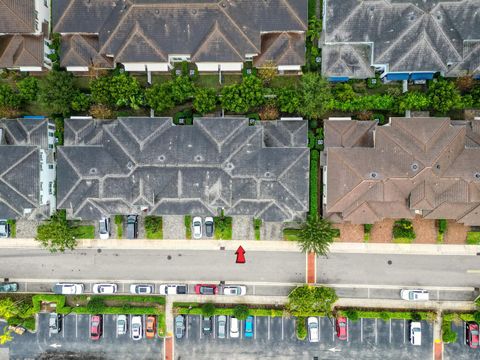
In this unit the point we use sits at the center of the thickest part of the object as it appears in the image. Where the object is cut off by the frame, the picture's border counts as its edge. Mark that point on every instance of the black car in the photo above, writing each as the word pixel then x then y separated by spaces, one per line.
pixel 132 226
pixel 209 226
pixel 207 325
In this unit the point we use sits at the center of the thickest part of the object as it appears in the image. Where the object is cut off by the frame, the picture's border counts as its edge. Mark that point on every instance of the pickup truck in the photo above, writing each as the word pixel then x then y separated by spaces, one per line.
pixel 173 289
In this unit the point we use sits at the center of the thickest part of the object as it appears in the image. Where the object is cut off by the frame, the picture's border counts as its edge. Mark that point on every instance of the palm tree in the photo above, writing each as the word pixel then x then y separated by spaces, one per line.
pixel 316 235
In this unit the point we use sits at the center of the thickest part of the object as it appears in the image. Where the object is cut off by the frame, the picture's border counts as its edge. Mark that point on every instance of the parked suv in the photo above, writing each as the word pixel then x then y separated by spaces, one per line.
pixel 104 228
pixel 132 226
pixel 209 226
pixel 68 288
pixel 4 228
pixel 414 295
pixel 222 326
pixel 416 333
pixel 55 323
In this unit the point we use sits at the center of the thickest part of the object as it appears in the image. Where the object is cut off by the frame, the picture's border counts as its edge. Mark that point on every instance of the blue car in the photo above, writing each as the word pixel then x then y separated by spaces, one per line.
pixel 249 327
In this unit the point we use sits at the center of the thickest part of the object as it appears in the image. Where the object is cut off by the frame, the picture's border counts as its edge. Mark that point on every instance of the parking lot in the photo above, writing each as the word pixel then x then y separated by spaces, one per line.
pixel 75 337
pixel 459 350
pixel 275 337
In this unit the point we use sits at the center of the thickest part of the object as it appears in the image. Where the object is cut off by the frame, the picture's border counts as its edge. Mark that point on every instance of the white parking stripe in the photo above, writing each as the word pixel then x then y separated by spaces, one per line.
pixel 361 330
pixel 368 293
pixel 123 287
pixel 376 330
pixel 333 330
pixel 404 331
pixel 390 333
pixel 319 328
pixel 348 332
pixel 254 327
pixel 26 287
pixel 241 329
pixel 200 328
pixel 464 332
pixel 76 325
pixel 282 328
pixel 116 332
pixel 214 326
pixel 130 322
pixel 63 325
pixel 253 289
pixel 103 326
pixel 268 329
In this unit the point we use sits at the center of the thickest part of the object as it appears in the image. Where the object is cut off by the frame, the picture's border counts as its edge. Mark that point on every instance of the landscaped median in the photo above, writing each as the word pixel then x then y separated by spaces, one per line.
pixel 450 336
pixel 210 309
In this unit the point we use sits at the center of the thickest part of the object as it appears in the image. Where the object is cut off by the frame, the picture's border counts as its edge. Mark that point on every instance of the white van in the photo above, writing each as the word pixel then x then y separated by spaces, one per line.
pixel 416 333
pixel 414 295
pixel 234 328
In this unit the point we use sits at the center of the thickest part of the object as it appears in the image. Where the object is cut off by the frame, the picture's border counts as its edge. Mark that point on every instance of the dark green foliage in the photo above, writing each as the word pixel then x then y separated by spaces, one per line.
pixel 118 219
pixel 241 312
pixel 288 100
pixel 28 88
pixel 182 89
pixel 257 224
pixel 384 315
pixel 475 93
pixel 442 226
pixel 367 228
pixel 119 90
pixel 380 118
pixel 301 328
pixel 352 314
pixel 54 56
pixel 476 316
pixel 305 300
pixel 188 226
pixel 159 97
pixel 314 158
pixel 316 235
pixel 448 335
pixel 316 96
pixel 153 223
pixel 344 92
pixel 444 96
pixel 186 115
pixel 55 234
pixel 364 103
pixel 373 83
pixel 413 100
pixel 57 92
pixel 208 309
pixel 96 305
pixel 248 69
pixel 416 316
pixel 205 100
pixel 240 98
pixel 59 129
pixel 81 102
pixel 223 227
pixel 403 229
pixel 8 97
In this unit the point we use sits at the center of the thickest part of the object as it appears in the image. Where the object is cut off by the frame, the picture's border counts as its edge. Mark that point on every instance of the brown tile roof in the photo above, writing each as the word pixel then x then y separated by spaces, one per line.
pixel 423 166
pixel 21 50
pixel 17 16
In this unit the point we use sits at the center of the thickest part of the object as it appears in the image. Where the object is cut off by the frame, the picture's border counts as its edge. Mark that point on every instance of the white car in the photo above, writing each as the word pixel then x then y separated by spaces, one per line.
pixel 136 326
pixel 234 327
pixel 173 289
pixel 68 288
pixel 414 295
pixel 416 333
pixel 104 228
pixel 312 326
pixel 234 290
pixel 197 227
pixel 142 289
pixel 104 288
pixel 121 325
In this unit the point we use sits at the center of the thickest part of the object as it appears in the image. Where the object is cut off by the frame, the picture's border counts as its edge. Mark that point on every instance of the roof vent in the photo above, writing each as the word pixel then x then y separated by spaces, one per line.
pixel 157 11
pixel 129 165
pixel 229 166
pixel 268 174
pixel 92 171
pixel 198 158
pixel 414 167
pixel 437 166
pixel 477 176
pixel 373 175
pixel 161 158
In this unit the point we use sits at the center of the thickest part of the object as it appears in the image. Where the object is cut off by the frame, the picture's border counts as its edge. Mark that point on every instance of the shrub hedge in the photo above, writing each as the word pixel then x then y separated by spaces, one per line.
pixel 314 157
pixel 301 328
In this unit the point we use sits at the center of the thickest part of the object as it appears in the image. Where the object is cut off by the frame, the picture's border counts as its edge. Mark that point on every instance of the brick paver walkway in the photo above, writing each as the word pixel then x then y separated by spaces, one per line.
pixel 456 233
pixel 168 348
pixel 311 268
pixel 382 231
pixel 425 231
pixel 350 232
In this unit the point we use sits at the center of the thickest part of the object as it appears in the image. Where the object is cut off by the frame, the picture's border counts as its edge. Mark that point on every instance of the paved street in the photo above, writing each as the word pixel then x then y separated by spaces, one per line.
pixel 275 338
pixel 75 337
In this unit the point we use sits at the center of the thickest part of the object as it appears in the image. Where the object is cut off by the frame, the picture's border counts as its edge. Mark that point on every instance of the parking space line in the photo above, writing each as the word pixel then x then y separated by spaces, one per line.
pixel 333 331
pixel 123 287
pixel 376 330
pixel 282 328
pixel 116 332
pixel 64 318
pixel 200 328
pixel 255 327
pixel 253 289
pixel 268 329
pixel 89 324
pixel 464 333
pixel 241 329
pixel 26 287
pixel 361 330
pixel 214 326
pixel 348 332
pixel 390 333
pixel 103 326
pixel 130 322
pixel 319 328
pixel 76 325
pixel 404 331
pixel 186 326
pixel 368 293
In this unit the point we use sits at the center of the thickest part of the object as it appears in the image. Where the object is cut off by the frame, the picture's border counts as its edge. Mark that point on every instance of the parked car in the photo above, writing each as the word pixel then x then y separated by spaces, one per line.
pixel 197 227
pixel 222 326
pixel 150 327
pixel 104 228
pixel 206 289
pixel 136 327
pixel 4 228
pixel 249 326
pixel 207 325
pixel 122 324
pixel 132 226
pixel 95 327
pixel 8 287
pixel 416 333
pixel 179 326
pixel 173 289
pixel 142 289
pixel 342 328
pixel 312 327
pixel 104 288
pixel 234 327
pixel 471 329
pixel 414 295
pixel 68 288
pixel 55 323
pixel 209 226
pixel 234 290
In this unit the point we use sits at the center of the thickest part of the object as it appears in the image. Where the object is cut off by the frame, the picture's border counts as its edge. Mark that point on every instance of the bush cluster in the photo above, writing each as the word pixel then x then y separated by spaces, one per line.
pixel 403 229
pixel 314 164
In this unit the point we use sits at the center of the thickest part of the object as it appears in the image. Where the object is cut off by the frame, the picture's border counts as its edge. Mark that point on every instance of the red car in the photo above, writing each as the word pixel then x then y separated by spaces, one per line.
pixel 206 289
pixel 95 327
pixel 472 334
pixel 150 327
pixel 342 328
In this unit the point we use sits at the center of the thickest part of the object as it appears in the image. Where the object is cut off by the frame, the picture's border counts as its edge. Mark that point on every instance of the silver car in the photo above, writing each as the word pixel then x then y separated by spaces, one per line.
pixel 197 227
pixel 179 326
pixel 137 327
pixel 222 326
pixel 4 228
pixel 121 325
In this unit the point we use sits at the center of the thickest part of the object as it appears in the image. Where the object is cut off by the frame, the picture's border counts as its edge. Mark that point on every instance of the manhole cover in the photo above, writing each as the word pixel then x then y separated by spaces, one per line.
pixel 99 251
pixel 389 262
pixel 169 257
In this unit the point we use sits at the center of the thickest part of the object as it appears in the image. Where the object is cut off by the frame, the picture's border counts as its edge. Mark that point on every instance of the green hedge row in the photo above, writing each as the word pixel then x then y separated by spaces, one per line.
pixel 314 158
pixel 355 314
pixel 195 309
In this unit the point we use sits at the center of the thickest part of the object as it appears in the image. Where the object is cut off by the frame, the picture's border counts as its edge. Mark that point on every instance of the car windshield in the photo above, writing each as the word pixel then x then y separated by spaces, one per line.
pixel 206 290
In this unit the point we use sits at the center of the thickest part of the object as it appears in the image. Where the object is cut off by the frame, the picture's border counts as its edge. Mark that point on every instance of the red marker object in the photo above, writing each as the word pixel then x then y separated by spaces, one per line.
pixel 240 255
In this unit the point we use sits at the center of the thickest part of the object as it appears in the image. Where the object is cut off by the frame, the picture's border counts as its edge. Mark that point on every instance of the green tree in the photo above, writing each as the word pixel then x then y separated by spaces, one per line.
pixel 475 93
pixel 307 300
pixel 159 97
pixel 241 312
pixel 352 314
pixel 57 92
pixel 55 234
pixel 120 90
pixel 413 100
pixel 182 89
pixel 288 100
pixel 316 235
pixel 28 88
pixel 344 92
pixel 444 96
pixel 8 97
pixel 96 305
pixel 208 309
pixel 6 336
pixel 205 100
pixel 316 96
pixel 242 97
pixel 81 102
pixel 314 28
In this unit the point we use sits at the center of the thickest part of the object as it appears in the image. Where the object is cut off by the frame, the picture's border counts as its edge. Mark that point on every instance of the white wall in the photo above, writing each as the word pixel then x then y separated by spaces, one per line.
pixel 30 68
pixel 146 66
pixel 43 13
pixel 214 66
pixel 77 68
pixel 289 68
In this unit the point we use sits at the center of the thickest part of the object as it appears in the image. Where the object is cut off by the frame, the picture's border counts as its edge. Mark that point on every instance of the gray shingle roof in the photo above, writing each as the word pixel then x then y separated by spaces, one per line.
pixel 208 30
pixel 407 35
pixel 116 167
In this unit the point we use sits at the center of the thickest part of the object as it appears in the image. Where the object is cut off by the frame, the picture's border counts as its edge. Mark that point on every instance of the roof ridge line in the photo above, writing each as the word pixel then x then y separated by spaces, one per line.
pixel 294 13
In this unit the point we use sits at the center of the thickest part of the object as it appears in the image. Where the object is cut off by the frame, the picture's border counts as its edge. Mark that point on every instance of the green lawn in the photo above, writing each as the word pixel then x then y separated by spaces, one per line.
pixel 188 227
pixel 84 231
pixel 473 238
pixel 119 223
pixel 223 227
pixel 154 227
pixel 257 224
pixel 291 234
pixel 13 228
pixel 402 240
pixel 285 81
